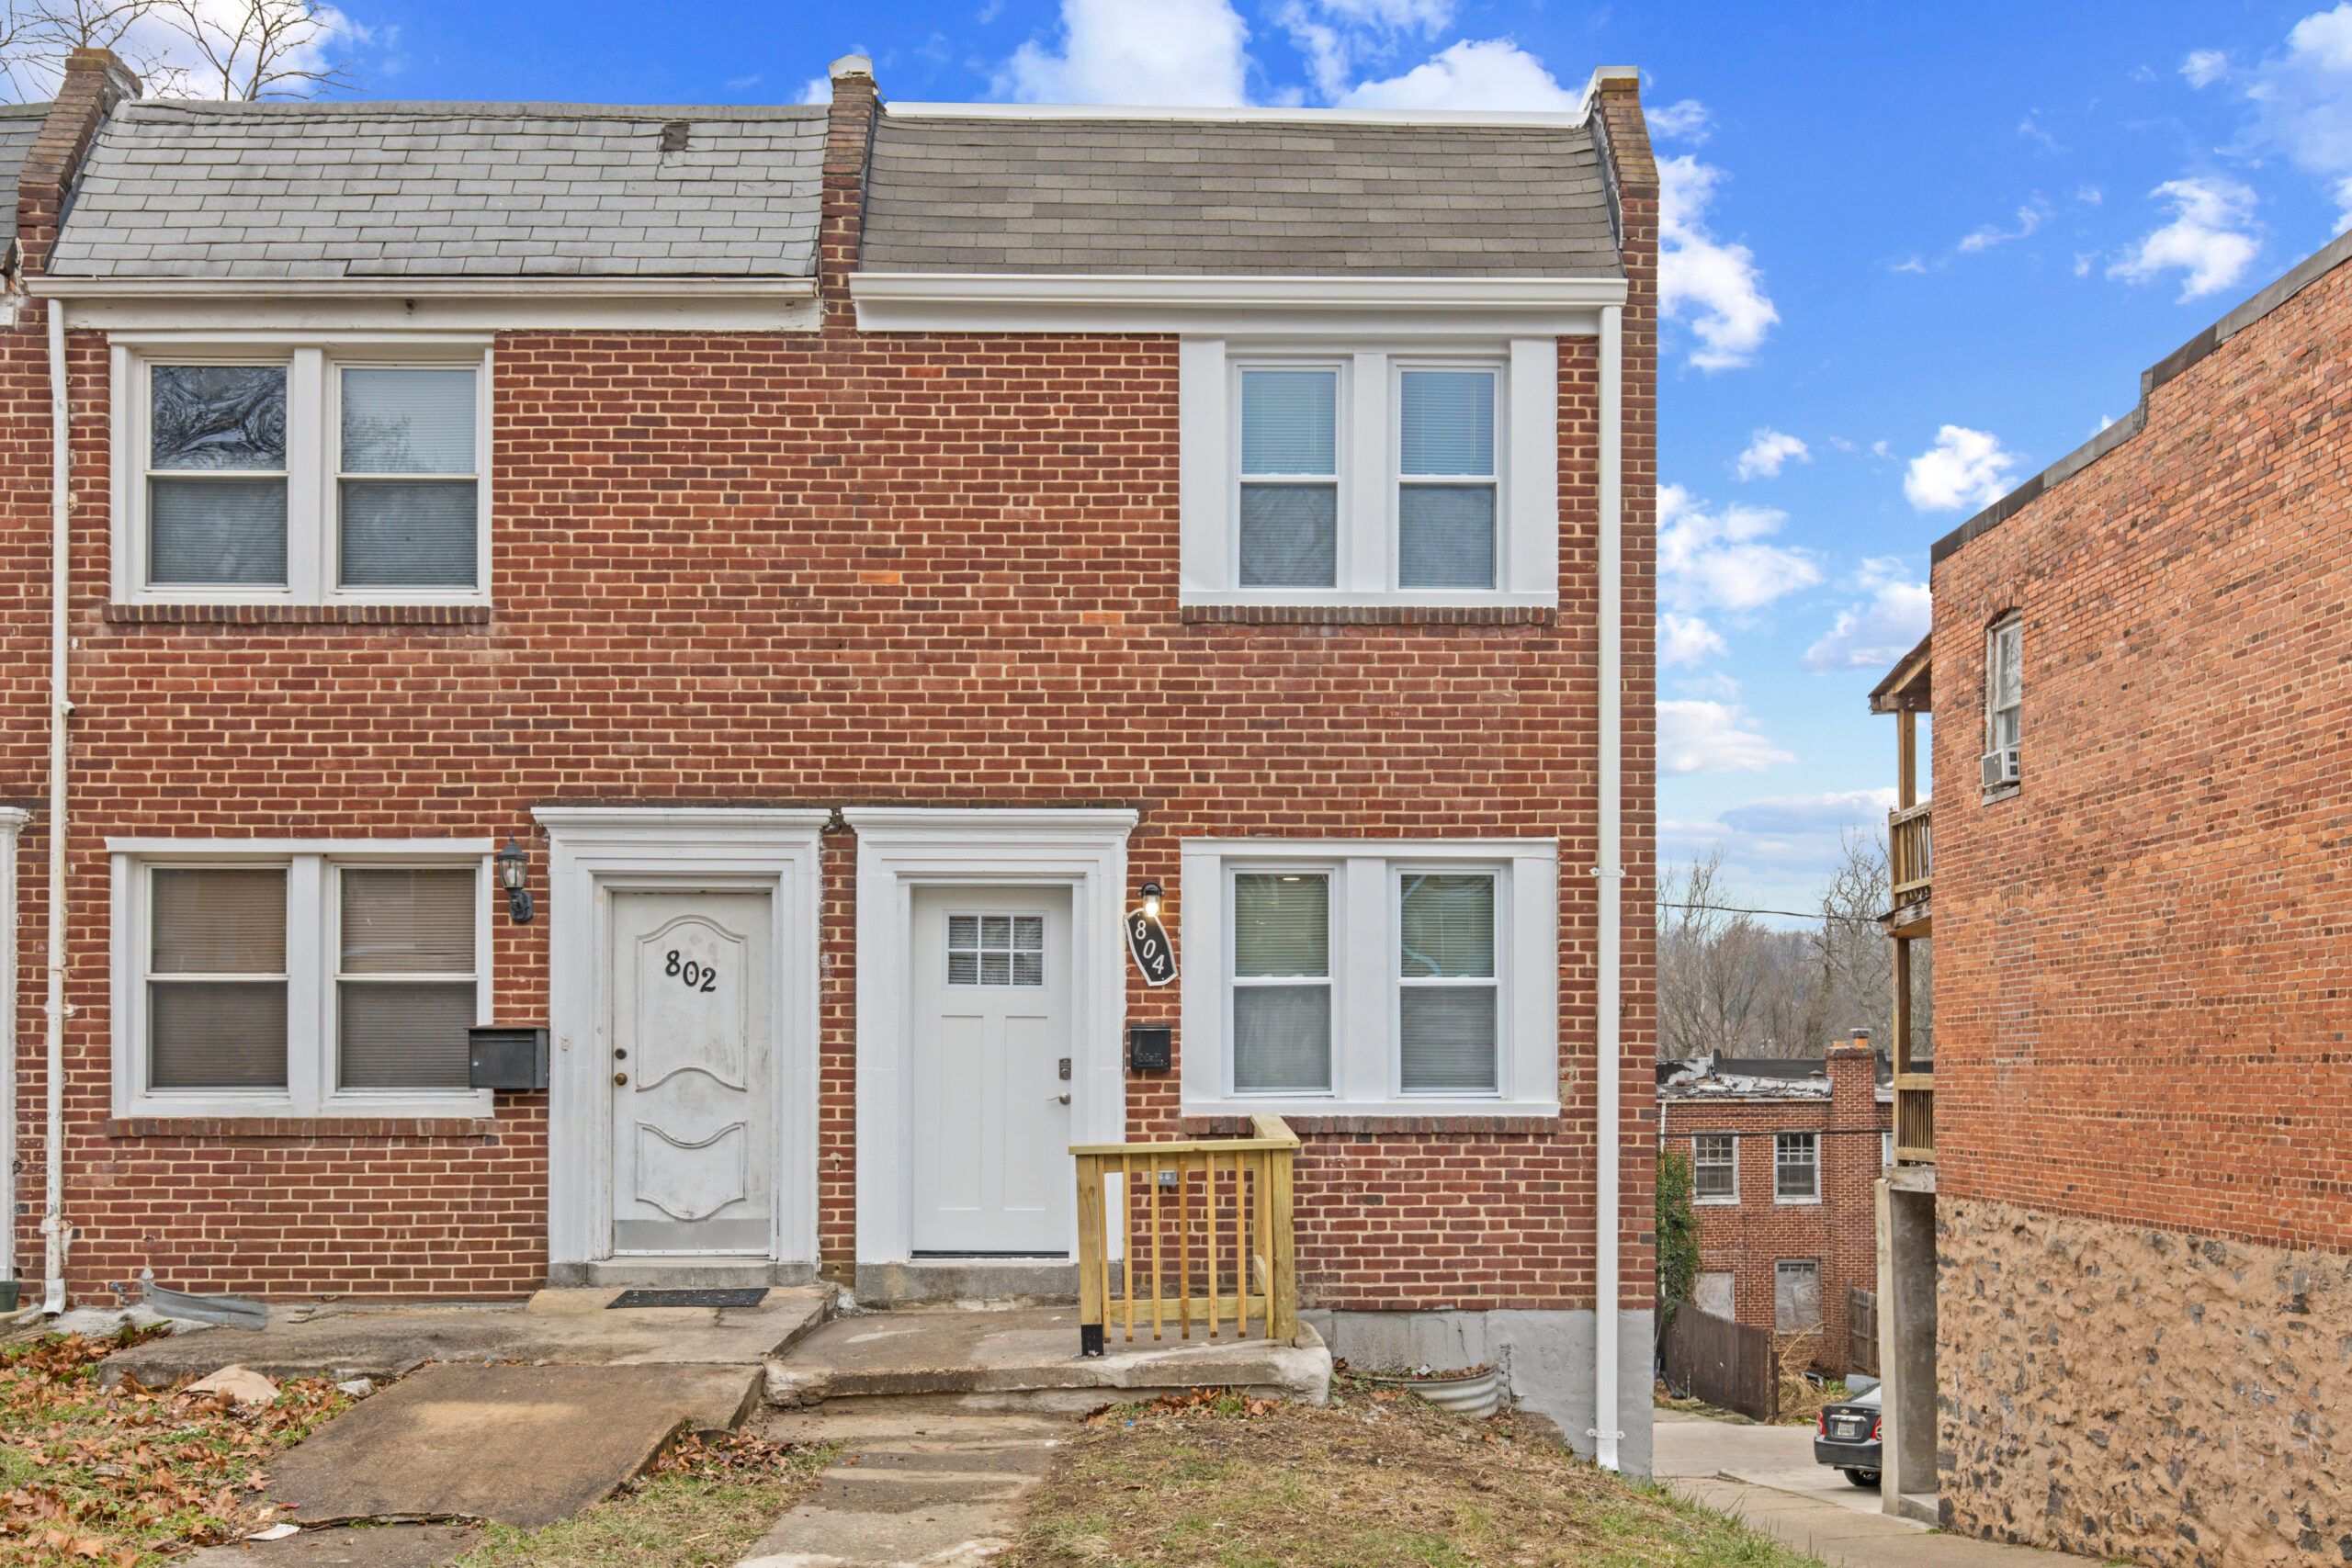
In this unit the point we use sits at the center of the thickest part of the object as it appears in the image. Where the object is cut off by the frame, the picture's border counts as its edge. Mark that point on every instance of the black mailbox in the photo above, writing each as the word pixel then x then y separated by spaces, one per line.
pixel 1151 1048
pixel 505 1057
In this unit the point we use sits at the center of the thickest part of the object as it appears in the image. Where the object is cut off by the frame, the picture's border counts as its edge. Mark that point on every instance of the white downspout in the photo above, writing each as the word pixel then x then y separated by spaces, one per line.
pixel 52 1224
pixel 1610 873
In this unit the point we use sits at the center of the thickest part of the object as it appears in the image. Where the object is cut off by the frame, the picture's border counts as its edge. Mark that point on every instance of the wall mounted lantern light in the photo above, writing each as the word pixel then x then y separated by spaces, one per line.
pixel 514 864
pixel 1152 899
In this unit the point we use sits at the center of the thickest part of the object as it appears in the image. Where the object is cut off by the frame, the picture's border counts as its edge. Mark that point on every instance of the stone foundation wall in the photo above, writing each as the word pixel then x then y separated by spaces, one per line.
pixel 2142 1394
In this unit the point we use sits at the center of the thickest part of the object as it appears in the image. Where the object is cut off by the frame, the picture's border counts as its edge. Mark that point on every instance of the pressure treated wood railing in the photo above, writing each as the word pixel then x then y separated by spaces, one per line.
pixel 1174 1232
pixel 1910 849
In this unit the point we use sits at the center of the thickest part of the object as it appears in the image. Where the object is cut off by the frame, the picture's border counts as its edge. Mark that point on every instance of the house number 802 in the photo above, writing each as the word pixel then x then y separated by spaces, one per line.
pixel 696 976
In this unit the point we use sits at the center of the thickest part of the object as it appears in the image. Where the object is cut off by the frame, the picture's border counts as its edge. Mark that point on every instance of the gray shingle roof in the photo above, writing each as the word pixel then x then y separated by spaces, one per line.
pixel 950 194
pixel 438 190
pixel 19 124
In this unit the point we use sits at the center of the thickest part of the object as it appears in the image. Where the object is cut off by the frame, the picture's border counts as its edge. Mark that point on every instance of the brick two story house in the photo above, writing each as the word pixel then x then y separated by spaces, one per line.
pixel 831 559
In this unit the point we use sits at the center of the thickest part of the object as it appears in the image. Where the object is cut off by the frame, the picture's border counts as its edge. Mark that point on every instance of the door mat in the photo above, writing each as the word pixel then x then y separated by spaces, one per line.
pixel 743 1296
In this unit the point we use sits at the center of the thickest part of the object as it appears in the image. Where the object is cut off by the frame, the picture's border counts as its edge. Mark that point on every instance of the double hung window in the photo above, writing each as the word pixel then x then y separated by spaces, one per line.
pixel 2004 702
pixel 1446 477
pixel 1289 507
pixel 287 985
pixel 1399 978
pixel 300 476
pixel 1796 1168
pixel 1715 1167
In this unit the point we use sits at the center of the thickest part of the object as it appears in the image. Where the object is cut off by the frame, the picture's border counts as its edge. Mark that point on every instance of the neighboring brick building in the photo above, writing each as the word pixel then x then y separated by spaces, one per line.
pixel 848 551
pixel 1785 1154
pixel 2138 1171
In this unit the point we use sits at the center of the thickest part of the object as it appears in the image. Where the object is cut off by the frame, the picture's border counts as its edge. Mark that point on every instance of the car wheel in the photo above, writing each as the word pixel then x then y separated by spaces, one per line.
pixel 1862 1477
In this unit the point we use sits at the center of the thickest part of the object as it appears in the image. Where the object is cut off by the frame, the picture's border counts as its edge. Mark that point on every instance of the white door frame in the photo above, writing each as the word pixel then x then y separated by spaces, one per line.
pixel 595 849
pixel 899 848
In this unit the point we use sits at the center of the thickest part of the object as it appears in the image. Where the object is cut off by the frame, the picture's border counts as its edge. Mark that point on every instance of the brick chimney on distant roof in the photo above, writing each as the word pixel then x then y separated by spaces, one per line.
pixel 849 142
pixel 95 83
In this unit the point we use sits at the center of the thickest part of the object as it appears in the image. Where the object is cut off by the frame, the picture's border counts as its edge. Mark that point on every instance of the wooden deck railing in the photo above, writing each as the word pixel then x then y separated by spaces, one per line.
pixel 1910 849
pixel 1172 1232
pixel 1915 1118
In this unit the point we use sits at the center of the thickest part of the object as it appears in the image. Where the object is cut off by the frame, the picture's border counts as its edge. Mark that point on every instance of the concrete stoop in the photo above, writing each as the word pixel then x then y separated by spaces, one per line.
pixel 1027 1360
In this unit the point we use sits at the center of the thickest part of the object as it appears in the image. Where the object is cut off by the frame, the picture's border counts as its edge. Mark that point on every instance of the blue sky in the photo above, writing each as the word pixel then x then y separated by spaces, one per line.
pixel 1916 253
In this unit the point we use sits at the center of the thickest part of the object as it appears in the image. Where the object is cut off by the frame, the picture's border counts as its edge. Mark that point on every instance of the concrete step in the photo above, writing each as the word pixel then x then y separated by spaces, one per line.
pixel 1026 1360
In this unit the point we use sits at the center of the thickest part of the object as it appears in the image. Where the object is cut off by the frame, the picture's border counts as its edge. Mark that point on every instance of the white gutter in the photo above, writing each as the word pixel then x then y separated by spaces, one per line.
pixel 1611 874
pixel 53 1222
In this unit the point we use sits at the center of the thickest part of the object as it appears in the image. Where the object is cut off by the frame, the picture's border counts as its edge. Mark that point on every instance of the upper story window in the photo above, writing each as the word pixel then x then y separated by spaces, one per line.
pixel 1715 1167
pixel 1399 974
pixel 300 476
pixel 1796 1168
pixel 1370 478
pixel 2004 702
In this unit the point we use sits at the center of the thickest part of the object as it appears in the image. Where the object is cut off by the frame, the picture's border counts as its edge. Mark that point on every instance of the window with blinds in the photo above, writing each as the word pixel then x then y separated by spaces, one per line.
pixel 404 978
pixel 216 978
pixel 1448 999
pixel 1281 983
pixel 407 490
pixel 1445 479
pixel 1290 477
pixel 996 950
pixel 216 475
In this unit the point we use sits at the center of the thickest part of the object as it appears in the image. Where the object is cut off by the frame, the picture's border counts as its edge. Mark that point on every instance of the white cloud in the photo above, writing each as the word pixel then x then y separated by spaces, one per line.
pixel 1717 560
pixel 1714 283
pixel 1712 737
pixel 2029 218
pixel 816 90
pixel 2204 67
pixel 1828 812
pixel 1768 450
pixel 1686 121
pixel 1687 639
pixel 1779 850
pixel 2207 239
pixel 2301 100
pixel 1492 75
pixel 1874 634
pixel 1114 52
pixel 1965 468
pixel 1338 37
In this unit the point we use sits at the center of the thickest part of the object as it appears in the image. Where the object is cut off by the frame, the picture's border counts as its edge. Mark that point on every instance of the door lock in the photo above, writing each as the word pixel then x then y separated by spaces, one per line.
pixel 620 1077
pixel 1065 1072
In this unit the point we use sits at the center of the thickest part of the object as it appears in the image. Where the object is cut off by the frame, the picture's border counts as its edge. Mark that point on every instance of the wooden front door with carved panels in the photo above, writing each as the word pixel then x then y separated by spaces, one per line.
pixel 694 1103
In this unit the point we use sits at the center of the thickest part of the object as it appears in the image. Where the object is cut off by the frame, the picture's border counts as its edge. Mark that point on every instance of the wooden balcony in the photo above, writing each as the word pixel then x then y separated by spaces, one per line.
pixel 1910 851
pixel 1174 1232
pixel 1915 1117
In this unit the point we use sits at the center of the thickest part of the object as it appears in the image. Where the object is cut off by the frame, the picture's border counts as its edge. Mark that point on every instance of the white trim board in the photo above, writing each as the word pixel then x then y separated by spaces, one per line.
pixel 491 304
pixel 1292 306
pixel 899 848
pixel 592 850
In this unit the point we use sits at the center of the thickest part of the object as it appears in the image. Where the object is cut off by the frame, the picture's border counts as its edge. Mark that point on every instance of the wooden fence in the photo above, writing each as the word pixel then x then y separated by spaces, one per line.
pixel 1726 1363
pixel 1172 1232
pixel 1861 1331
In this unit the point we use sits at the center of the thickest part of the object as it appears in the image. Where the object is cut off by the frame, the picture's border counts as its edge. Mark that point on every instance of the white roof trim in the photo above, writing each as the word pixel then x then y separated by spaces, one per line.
pixel 489 304
pixel 506 286
pixel 1061 302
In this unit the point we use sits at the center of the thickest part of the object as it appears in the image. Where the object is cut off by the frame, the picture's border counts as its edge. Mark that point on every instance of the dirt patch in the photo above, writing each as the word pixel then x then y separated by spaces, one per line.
pixel 1375 1480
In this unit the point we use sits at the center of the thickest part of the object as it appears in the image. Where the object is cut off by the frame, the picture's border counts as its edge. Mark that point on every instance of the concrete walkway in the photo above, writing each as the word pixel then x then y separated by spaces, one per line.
pixel 1766 1477
pixel 926 1489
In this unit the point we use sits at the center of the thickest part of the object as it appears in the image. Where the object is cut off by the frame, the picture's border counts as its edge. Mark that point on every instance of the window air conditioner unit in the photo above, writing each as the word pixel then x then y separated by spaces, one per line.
pixel 2001 767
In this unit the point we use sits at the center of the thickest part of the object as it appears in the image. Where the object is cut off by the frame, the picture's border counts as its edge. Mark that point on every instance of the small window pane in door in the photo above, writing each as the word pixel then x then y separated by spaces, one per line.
pixel 996 950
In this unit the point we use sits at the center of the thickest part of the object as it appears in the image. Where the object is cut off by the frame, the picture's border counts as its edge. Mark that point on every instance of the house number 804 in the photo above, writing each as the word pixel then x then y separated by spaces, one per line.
pixel 696 976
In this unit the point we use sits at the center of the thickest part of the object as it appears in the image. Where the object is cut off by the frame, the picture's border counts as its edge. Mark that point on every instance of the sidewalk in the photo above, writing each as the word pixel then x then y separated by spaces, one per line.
pixel 1765 1478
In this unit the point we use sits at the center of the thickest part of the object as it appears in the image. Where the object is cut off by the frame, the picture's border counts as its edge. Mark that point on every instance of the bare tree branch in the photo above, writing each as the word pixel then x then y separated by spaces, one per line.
pixel 262 48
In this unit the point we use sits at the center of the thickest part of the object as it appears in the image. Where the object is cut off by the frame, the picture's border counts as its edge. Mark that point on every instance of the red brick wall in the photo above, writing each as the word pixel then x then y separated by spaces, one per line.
pixel 826 570
pixel 2140 967
pixel 1746 1239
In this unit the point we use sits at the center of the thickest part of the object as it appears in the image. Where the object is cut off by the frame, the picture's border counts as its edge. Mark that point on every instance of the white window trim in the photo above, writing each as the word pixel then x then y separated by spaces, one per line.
pixel 1818 1152
pixel 310 865
pixel 313 461
pixel 1720 1201
pixel 2012 623
pixel 1527 544
pixel 1365 1061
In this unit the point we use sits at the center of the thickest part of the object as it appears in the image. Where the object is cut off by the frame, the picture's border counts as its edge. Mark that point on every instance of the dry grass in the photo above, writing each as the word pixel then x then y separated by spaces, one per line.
pixel 703 1504
pixel 128 1476
pixel 1378 1481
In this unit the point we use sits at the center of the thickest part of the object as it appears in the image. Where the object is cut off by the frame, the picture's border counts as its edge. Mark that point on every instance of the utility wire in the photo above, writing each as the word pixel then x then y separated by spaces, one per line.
pixel 1792 914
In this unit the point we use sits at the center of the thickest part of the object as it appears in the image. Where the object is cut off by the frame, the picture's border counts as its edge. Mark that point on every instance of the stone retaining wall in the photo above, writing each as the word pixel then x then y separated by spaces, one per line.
pixel 2142 1394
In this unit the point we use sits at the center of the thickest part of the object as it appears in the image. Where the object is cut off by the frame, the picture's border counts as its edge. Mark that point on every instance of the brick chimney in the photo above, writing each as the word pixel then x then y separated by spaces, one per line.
pixel 1853 1083
pixel 95 83
pixel 849 140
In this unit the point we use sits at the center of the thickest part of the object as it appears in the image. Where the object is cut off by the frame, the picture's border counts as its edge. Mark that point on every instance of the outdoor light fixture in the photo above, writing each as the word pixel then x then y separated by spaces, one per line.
pixel 1152 899
pixel 514 864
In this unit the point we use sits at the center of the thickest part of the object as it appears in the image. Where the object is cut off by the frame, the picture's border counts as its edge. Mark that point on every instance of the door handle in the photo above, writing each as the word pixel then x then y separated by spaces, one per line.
pixel 620 1077
pixel 1058 1100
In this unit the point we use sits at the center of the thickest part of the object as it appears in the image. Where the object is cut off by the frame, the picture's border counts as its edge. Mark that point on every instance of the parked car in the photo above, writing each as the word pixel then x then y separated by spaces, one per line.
pixel 1848 1437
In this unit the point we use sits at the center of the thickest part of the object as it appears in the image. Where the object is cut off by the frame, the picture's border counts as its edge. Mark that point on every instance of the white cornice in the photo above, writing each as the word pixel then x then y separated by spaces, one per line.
pixel 625 304
pixel 1062 302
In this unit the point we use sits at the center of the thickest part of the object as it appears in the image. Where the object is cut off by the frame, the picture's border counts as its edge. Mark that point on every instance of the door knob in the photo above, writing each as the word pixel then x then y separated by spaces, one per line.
pixel 620 1077
pixel 1058 1100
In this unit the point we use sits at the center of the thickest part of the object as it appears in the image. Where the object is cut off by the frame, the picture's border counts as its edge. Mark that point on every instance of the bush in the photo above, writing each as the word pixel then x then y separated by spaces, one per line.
pixel 1677 1234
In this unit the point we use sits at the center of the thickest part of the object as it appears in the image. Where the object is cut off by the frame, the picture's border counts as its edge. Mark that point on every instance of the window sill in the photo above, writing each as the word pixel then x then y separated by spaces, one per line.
pixel 1371 615
pixel 1234 1122
pixel 230 1129
pixel 1798 1202
pixel 164 613
pixel 1730 1202
pixel 1999 792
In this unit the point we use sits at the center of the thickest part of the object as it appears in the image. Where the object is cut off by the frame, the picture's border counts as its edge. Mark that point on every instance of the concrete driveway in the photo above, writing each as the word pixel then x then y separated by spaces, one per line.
pixel 1765 1478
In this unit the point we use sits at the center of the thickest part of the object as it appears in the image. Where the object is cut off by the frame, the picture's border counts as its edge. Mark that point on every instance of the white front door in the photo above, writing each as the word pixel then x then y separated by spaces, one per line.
pixel 693 1105
pixel 992 1072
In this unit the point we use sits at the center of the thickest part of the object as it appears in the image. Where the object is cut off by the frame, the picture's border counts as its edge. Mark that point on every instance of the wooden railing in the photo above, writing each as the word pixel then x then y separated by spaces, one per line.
pixel 1172 1232
pixel 1910 849
pixel 1915 1118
